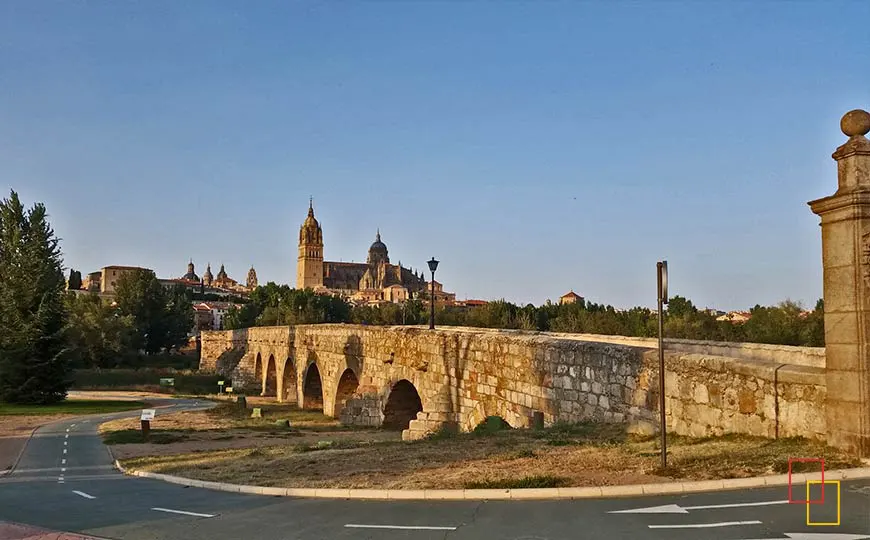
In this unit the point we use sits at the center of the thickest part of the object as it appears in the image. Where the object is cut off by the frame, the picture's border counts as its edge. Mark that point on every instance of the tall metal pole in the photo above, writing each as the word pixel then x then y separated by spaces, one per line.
pixel 663 427
pixel 432 304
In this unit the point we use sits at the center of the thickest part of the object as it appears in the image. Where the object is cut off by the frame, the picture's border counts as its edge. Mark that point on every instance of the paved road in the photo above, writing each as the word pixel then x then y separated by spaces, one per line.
pixel 85 494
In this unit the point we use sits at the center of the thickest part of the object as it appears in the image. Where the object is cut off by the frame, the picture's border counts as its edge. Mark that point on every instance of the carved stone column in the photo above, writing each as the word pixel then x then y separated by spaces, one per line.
pixel 845 222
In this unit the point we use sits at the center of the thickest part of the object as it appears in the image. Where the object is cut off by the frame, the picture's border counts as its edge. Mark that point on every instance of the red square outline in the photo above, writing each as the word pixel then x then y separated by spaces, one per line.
pixel 806 460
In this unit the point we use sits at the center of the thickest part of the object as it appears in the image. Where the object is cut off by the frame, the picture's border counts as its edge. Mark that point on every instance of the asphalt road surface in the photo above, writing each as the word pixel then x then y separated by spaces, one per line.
pixel 65 482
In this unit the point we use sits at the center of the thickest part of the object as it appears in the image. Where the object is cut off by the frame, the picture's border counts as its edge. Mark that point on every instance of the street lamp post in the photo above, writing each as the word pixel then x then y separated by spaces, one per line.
pixel 662 278
pixel 433 265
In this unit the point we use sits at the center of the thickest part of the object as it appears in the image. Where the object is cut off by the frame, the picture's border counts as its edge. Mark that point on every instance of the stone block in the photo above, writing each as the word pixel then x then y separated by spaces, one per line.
pixel 840 286
pixel 845 385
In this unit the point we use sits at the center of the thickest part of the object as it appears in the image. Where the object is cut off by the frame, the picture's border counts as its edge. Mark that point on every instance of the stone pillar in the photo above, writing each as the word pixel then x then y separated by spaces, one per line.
pixel 845 222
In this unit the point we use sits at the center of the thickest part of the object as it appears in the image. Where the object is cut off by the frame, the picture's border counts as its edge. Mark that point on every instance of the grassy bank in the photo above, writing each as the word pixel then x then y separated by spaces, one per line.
pixel 563 455
pixel 70 406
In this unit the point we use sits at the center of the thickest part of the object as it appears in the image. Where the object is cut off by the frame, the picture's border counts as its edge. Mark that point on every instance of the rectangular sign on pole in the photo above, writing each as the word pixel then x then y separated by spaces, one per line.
pixel 148 414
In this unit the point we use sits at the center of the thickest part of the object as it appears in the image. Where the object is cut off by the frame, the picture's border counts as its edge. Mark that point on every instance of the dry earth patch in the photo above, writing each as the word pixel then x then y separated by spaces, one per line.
pixel 585 454
pixel 230 427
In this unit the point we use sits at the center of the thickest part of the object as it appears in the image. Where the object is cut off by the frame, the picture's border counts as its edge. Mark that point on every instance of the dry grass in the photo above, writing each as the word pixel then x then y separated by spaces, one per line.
pixel 575 455
pixel 229 427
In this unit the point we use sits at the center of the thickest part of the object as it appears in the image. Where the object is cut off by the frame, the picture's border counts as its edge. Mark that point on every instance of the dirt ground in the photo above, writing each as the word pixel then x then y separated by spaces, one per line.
pixel 228 428
pixel 582 455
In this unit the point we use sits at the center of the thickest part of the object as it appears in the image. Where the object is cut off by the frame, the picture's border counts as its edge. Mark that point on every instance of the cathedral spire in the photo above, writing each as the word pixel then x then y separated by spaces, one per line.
pixel 311 206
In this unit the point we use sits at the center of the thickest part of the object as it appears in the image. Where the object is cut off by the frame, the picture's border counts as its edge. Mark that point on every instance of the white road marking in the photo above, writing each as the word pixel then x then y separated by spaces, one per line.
pixel 64 450
pixel 83 494
pixel 72 425
pixel 677 509
pixel 183 512
pixel 65 443
pixel 400 527
pixel 705 525
pixel 67 436
pixel 63 462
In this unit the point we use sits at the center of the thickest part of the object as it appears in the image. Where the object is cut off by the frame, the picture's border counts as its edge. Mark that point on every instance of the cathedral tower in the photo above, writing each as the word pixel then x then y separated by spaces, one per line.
pixel 309 265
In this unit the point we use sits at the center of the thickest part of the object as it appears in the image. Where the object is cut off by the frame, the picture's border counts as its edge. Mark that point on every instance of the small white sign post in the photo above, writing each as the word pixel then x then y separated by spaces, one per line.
pixel 145 418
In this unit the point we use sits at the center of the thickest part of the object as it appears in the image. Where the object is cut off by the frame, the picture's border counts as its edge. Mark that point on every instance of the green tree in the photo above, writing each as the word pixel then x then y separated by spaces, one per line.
pixel 75 280
pixel 813 330
pixel 34 353
pixel 161 318
pixel 100 336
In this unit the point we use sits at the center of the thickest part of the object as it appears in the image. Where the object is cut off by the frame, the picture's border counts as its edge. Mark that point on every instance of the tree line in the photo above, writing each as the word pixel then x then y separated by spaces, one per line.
pixel 785 324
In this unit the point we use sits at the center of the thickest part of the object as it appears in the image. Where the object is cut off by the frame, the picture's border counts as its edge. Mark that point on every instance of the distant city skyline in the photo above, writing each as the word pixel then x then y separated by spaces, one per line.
pixel 533 148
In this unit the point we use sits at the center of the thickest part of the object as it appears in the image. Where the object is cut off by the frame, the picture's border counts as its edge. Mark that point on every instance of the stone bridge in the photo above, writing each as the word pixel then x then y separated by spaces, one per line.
pixel 421 380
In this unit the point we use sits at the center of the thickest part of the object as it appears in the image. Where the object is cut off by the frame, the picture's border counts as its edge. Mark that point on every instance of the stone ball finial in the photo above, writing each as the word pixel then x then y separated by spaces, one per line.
pixel 855 123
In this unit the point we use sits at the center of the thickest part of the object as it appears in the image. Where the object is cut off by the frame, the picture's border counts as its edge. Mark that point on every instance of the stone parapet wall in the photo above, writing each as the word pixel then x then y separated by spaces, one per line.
pixel 713 395
pixel 780 354
pixel 463 375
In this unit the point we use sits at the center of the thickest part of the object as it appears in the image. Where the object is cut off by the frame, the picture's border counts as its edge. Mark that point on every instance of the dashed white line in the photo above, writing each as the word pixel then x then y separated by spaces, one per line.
pixel 705 525
pixel 63 462
pixel 399 527
pixel 64 450
pixel 67 436
pixel 83 494
pixel 196 514
pixel 63 469
pixel 65 443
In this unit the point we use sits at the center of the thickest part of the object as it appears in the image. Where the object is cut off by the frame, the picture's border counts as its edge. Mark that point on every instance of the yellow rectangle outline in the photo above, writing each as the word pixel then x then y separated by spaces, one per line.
pixel 811 482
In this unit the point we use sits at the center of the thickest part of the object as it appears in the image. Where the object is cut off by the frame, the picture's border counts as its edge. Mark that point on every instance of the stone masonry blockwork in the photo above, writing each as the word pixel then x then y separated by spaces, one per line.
pixel 463 375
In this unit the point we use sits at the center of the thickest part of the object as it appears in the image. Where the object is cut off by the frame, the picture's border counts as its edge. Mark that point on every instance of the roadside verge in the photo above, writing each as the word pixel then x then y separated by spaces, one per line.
pixel 668 488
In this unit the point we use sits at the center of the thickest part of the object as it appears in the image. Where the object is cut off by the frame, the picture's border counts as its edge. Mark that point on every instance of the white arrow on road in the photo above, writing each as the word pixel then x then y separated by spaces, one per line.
pixel 677 509
pixel 820 536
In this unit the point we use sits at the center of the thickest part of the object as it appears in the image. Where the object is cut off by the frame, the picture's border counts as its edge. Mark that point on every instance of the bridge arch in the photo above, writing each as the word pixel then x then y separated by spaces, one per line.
pixel 270 382
pixel 312 388
pixel 288 389
pixel 347 385
pixel 402 405
pixel 489 407
pixel 258 371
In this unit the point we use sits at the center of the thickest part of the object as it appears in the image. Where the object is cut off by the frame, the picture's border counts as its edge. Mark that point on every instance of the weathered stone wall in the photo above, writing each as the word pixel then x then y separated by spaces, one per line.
pixel 712 395
pixel 463 375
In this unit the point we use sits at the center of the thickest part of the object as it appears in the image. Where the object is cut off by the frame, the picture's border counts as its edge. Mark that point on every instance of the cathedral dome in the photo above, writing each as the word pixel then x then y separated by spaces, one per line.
pixel 208 277
pixel 191 274
pixel 378 251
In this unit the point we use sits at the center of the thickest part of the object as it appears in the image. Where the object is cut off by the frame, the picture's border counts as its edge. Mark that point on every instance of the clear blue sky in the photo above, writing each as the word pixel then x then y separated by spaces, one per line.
pixel 532 147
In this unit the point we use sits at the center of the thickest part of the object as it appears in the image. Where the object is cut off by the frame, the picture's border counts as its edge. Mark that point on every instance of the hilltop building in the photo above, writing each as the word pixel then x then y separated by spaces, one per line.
pixel 569 298
pixel 375 281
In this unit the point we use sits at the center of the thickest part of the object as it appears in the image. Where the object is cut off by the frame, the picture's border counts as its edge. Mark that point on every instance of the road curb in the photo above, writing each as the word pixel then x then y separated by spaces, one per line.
pixel 594 492
pixel 20 453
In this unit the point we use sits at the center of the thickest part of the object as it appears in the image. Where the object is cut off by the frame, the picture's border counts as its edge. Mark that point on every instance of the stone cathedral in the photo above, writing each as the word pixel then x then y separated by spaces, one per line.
pixel 374 281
